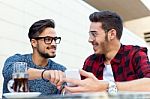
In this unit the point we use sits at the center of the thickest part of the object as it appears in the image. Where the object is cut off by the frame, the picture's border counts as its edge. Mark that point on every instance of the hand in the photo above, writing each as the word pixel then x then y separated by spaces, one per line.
pixel 55 77
pixel 89 84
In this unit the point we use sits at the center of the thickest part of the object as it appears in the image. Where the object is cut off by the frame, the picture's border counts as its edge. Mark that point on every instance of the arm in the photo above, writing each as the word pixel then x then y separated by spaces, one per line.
pixel 142 84
pixel 8 68
pixel 34 73
pixel 89 84
pixel 54 76
pixel 141 65
pixel 92 84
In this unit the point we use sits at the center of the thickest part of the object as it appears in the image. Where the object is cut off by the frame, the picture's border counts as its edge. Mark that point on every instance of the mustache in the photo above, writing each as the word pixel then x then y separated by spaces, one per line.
pixel 51 47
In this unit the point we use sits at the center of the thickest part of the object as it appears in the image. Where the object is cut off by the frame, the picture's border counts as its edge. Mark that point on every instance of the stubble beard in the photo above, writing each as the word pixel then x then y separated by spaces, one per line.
pixel 103 46
pixel 46 55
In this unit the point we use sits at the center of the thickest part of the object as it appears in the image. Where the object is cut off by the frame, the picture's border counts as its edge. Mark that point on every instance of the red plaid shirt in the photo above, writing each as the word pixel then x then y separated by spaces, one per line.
pixel 131 62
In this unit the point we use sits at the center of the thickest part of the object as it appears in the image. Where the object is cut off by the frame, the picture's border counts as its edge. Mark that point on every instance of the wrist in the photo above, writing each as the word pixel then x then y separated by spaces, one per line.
pixel 103 85
pixel 43 75
pixel 106 85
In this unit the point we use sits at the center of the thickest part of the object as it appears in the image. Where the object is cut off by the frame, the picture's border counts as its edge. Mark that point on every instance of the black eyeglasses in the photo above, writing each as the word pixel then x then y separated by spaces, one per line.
pixel 48 39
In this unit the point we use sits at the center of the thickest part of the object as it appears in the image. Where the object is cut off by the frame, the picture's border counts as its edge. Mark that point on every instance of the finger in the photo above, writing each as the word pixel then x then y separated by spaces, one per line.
pixel 52 79
pixel 61 76
pixel 58 87
pixel 56 78
pixel 72 81
pixel 87 74
pixel 74 89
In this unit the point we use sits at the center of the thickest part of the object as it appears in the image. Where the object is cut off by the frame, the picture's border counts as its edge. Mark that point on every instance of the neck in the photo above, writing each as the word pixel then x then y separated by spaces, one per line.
pixel 38 60
pixel 111 53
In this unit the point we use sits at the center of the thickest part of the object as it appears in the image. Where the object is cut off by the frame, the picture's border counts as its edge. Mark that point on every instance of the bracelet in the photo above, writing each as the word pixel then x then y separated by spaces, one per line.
pixel 42 75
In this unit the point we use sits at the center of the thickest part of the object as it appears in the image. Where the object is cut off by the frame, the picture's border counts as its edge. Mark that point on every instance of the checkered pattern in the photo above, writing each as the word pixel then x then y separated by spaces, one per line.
pixel 131 62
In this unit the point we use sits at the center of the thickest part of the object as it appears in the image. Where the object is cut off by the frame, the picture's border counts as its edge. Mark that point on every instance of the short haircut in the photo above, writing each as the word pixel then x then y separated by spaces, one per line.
pixel 37 28
pixel 110 20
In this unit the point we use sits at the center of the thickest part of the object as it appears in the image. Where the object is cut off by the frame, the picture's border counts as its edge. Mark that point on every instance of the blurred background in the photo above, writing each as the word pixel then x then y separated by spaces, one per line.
pixel 72 24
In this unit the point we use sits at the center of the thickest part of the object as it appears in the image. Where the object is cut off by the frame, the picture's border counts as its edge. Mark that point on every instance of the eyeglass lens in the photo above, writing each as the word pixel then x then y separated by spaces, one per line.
pixel 49 40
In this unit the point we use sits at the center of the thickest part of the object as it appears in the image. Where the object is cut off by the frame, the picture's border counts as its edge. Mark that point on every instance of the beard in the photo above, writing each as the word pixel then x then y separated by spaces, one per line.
pixel 102 46
pixel 46 55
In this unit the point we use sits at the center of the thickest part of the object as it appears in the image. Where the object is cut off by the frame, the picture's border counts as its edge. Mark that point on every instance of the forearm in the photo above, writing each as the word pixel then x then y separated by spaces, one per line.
pixel 34 73
pixel 142 84
pixel 54 76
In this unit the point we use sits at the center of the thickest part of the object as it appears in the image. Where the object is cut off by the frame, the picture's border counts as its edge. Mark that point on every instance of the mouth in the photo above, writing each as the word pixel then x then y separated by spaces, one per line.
pixel 52 47
pixel 94 46
pixel 52 51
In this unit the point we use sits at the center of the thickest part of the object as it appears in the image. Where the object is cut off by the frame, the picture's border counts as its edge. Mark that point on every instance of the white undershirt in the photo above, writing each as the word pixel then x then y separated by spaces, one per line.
pixel 107 73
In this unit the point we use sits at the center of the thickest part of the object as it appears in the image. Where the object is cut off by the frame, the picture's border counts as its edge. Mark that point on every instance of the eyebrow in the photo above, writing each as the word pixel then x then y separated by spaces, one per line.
pixel 92 31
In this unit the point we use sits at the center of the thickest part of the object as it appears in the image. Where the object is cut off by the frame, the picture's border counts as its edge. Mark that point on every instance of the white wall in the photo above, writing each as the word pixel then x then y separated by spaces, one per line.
pixel 72 23
pixel 130 38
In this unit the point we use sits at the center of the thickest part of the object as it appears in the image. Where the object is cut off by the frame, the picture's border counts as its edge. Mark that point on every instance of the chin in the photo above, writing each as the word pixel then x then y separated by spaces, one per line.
pixel 53 55
pixel 97 52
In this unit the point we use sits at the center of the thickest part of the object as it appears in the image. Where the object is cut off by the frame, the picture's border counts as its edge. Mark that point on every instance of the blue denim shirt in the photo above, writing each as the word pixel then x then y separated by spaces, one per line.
pixel 37 85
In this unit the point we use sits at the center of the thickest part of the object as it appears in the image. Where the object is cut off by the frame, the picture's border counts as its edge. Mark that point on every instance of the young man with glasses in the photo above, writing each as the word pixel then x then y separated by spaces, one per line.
pixel 113 66
pixel 45 75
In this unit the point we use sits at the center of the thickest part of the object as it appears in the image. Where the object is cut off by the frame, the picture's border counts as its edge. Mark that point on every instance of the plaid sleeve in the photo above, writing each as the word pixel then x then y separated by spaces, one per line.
pixel 141 63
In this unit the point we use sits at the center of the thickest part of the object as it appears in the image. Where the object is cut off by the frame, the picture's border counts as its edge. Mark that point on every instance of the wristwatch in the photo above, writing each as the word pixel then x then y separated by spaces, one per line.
pixel 112 88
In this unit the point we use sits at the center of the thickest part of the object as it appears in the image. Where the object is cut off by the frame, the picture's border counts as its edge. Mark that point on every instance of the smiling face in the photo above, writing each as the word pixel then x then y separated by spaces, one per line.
pixel 43 49
pixel 98 38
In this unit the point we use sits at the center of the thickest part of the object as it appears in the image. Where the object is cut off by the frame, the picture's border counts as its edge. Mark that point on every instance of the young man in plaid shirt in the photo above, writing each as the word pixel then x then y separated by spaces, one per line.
pixel 113 66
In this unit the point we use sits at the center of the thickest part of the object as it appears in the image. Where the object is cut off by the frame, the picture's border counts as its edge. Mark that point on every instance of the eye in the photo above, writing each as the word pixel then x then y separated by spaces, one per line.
pixel 48 38
pixel 94 34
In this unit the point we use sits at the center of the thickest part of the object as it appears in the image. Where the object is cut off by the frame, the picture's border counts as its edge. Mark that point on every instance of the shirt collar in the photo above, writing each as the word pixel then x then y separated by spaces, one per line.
pixel 117 58
pixel 119 55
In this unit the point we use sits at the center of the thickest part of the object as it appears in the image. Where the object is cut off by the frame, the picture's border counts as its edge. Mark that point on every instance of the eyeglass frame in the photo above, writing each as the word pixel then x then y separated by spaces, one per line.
pixel 94 33
pixel 49 37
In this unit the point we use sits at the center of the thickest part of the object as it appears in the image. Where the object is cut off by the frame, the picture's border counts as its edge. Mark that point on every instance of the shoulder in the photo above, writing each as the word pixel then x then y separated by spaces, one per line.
pixel 94 57
pixel 16 57
pixel 57 66
pixel 10 60
pixel 135 48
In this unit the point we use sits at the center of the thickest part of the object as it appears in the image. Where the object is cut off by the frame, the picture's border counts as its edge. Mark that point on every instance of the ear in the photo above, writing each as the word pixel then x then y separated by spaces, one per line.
pixel 33 42
pixel 111 34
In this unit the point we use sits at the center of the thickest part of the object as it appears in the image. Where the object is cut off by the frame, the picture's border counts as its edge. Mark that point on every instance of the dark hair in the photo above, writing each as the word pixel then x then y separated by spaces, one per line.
pixel 39 26
pixel 110 20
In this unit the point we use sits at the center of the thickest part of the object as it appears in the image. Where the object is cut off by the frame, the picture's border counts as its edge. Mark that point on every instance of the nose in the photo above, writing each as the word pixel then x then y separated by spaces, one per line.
pixel 91 39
